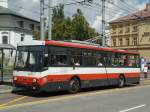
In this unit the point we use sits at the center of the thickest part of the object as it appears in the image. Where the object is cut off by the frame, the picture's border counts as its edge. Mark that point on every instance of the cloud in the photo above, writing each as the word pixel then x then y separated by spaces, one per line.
pixel 35 1
pixel 97 23
pixel 30 8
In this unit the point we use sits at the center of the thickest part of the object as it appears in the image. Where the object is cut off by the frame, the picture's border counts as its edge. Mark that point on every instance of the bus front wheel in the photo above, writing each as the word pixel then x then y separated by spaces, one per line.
pixel 74 85
pixel 121 81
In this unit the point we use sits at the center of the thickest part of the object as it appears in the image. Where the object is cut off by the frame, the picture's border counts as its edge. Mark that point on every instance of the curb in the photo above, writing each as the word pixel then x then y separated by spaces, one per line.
pixel 144 79
pixel 6 91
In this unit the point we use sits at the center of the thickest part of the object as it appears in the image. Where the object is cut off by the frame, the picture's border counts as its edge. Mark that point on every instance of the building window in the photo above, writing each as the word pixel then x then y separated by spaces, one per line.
pixel 22 37
pixel 120 42
pixel 127 41
pixel 31 26
pixel 127 30
pixel 38 28
pixel 4 33
pixel 5 39
pixel 114 42
pixel 21 24
pixel 120 31
pixel 135 29
pixel 134 41
pixel 113 30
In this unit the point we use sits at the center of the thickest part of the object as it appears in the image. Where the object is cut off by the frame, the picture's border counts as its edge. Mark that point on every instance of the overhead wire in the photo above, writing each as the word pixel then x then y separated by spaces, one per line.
pixel 25 9
pixel 129 5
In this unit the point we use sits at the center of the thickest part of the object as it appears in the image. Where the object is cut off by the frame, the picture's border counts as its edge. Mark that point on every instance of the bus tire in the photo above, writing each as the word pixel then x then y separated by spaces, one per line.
pixel 121 81
pixel 74 85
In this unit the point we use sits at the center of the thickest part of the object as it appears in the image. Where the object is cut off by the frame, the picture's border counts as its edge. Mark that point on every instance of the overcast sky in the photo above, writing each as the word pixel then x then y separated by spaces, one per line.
pixel 114 9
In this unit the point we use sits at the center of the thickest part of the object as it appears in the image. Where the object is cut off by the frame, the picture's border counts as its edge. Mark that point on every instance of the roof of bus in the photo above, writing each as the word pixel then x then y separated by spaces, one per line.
pixel 84 46
pixel 74 45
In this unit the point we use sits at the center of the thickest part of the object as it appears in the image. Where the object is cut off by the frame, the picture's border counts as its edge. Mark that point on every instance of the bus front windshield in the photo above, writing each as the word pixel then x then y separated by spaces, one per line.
pixel 29 60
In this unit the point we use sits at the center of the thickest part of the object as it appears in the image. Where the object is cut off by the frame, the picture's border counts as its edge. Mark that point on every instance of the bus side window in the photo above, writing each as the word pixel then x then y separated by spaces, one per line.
pixel 100 59
pixel 59 60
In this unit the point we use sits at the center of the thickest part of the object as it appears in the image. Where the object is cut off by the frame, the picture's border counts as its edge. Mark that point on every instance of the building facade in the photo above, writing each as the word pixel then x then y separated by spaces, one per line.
pixel 15 27
pixel 132 32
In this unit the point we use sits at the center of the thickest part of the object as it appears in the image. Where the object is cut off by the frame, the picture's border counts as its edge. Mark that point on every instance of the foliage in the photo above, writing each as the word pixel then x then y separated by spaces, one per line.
pixel 70 28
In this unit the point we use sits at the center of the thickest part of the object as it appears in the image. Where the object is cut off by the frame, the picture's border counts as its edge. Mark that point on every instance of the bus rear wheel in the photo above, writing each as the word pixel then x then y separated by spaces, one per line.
pixel 121 81
pixel 74 85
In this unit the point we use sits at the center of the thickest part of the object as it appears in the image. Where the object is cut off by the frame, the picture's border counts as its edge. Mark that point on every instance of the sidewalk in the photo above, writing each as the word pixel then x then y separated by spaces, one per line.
pixel 5 88
pixel 143 76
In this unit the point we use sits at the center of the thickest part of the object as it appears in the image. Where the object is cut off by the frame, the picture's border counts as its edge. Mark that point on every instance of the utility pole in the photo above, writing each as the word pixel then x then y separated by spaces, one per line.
pixel 103 23
pixel 42 31
pixel 50 20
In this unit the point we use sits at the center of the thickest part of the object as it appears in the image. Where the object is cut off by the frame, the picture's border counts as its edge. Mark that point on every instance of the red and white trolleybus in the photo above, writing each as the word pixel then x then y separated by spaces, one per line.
pixel 58 65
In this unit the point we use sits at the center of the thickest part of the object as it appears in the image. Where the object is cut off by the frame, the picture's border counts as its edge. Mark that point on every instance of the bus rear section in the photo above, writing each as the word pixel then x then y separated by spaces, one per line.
pixel 67 66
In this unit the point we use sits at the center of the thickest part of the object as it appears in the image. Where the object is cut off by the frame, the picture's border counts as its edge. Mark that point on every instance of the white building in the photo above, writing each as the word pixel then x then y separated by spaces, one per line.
pixel 14 27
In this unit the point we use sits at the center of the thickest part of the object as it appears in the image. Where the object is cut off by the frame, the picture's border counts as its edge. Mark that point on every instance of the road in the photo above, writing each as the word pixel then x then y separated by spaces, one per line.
pixel 128 99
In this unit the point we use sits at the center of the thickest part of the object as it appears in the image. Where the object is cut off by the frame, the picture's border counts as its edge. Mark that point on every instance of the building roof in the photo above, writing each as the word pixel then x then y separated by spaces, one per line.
pixel 6 11
pixel 139 15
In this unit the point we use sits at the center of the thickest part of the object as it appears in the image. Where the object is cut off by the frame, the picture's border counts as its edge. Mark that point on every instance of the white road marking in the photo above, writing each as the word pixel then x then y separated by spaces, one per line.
pixel 126 110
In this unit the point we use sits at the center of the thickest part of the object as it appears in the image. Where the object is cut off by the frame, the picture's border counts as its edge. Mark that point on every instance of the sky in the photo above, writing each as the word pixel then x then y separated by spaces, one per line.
pixel 92 12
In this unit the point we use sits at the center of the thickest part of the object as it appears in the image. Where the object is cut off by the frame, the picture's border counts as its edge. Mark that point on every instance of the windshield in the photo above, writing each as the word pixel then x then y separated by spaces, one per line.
pixel 29 59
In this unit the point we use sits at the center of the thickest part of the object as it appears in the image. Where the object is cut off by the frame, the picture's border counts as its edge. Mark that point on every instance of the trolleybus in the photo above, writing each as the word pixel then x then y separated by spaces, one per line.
pixel 58 65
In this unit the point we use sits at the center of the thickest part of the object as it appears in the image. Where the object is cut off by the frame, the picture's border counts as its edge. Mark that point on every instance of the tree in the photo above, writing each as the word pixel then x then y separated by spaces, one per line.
pixel 82 29
pixel 58 23
pixel 65 28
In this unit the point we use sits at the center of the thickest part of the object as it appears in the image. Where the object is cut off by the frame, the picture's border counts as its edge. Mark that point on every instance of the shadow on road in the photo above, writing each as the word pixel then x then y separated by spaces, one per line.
pixel 62 93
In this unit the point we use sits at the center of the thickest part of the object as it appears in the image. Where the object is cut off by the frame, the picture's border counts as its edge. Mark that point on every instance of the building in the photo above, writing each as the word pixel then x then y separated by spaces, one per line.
pixel 15 27
pixel 132 32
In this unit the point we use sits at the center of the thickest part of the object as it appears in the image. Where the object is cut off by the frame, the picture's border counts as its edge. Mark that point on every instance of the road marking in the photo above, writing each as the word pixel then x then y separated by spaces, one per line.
pixel 13 101
pixel 133 108
pixel 66 97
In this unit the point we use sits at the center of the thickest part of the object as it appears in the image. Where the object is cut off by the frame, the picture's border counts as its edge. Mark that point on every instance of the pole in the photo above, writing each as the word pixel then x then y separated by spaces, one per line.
pixel 42 20
pixel 103 23
pixel 2 69
pixel 50 21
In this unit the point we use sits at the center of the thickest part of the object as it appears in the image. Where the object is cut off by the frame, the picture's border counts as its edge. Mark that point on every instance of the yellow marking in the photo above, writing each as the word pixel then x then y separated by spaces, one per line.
pixel 71 96
pixel 13 101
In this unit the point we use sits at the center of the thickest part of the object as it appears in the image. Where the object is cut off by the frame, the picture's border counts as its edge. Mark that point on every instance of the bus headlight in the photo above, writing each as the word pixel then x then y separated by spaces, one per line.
pixel 34 80
pixel 15 78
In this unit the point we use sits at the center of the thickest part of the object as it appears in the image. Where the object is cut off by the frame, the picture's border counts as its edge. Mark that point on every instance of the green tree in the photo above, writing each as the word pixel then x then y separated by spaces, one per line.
pixel 82 29
pixel 58 23
pixel 65 28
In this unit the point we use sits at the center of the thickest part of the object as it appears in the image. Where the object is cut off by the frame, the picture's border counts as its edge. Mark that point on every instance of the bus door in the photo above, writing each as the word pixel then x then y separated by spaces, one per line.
pixel 101 63
pixel 111 68
pixel 116 65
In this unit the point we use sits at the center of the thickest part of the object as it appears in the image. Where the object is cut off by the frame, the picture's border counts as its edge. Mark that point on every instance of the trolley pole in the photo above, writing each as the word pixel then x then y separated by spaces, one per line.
pixel 42 32
pixel 103 23
pixel 50 20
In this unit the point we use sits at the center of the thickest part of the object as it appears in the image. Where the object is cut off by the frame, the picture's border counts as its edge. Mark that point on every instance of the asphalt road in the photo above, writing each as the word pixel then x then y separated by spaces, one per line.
pixel 129 99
